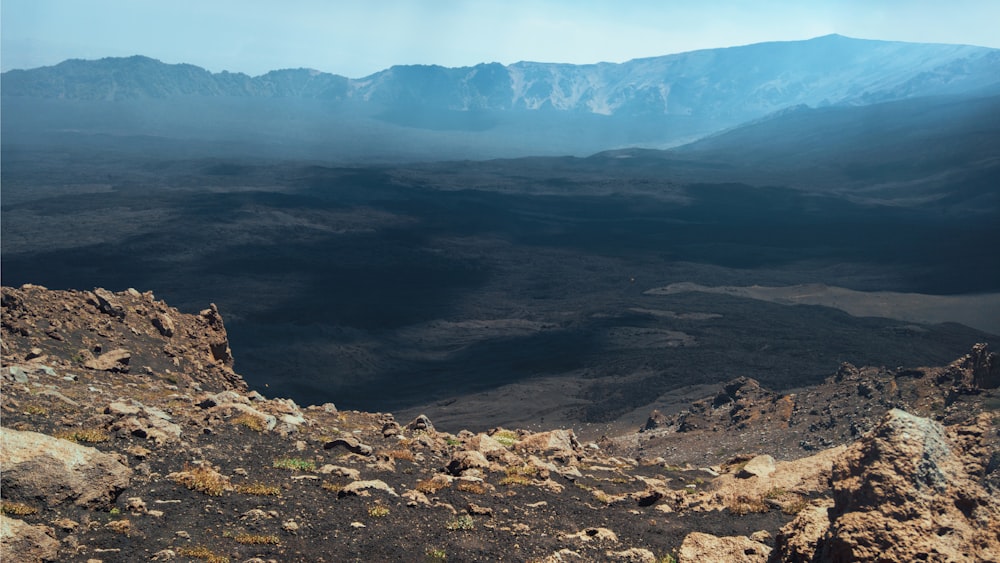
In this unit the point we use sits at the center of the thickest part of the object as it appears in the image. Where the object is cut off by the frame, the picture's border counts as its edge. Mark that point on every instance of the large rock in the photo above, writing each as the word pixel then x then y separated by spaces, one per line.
pixel 553 441
pixel 904 492
pixel 759 466
pixel 113 360
pixel 37 466
pixel 29 543
pixel 706 548
pixel 796 543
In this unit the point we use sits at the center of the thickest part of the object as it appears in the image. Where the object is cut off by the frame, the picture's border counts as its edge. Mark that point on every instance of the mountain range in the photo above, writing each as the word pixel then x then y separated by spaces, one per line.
pixel 485 111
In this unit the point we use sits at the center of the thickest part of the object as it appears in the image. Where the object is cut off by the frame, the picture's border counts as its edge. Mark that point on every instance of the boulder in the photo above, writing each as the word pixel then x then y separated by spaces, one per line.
pixel 421 423
pixel 112 360
pixel 656 420
pixel 30 543
pixel 37 466
pixel 706 548
pixel 164 324
pixel 350 444
pixel 561 441
pixel 602 535
pixel 759 466
pixel 108 303
pixel 465 460
pixel 361 488
pixel 142 421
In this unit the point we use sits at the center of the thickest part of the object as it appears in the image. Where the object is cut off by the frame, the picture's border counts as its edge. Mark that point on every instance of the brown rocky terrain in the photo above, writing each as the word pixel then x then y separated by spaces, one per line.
pixel 127 436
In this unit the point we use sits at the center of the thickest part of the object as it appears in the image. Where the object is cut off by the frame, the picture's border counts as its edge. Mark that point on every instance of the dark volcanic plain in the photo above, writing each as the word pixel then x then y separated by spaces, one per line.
pixel 508 291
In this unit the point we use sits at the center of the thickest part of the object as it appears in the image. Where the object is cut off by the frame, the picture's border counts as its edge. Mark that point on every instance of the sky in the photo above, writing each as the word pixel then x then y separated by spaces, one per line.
pixel 356 38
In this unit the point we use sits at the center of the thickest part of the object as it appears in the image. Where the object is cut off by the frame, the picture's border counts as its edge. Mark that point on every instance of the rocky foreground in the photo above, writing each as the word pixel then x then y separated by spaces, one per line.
pixel 127 436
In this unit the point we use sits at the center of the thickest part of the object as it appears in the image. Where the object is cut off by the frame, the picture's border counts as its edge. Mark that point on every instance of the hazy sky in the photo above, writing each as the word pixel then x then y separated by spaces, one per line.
pixel 358 37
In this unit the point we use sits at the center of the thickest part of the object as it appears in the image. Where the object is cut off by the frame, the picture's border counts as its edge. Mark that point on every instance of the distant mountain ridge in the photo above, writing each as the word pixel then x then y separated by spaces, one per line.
pixel 658 101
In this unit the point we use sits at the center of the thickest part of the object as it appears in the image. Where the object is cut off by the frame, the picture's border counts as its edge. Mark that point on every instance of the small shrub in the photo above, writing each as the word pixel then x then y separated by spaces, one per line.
pixel 36 410
pixel 256 539
pixel 378 510
pixel 434 555
pixel 473 487
pixel 794 507
pixel 526 470
pixel 453 441
pixel 463 522
pixel 254 423
pixel 203 553
pixel 17 509
pixel 775 493
pixel 430 486
pixel 405 455
pixel 258 489
pixel 85 436
pixel 515 480
pixel 741 505
pixel 505 437
pixel 667 558
pixel 332 487
pixel 202 479
pixel 601 496
pixel 295 464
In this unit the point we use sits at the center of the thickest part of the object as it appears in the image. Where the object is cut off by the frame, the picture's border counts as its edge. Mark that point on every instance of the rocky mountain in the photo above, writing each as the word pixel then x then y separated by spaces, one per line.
pixel 518 109
pixel 127 436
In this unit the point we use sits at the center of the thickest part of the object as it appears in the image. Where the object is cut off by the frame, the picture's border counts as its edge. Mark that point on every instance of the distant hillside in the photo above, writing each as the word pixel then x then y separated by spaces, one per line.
pixel 941 151
pixel 488 110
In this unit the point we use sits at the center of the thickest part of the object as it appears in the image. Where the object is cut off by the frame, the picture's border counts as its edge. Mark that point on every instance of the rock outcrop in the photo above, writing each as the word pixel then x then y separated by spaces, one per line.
pixel 904 492
pixel 40 467
pixel 163 445
pixel 119 331
pixel 27 542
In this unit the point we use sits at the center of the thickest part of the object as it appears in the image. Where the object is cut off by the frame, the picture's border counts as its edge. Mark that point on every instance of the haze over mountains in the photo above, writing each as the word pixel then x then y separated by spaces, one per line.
pixel 356 261
pixel 485 111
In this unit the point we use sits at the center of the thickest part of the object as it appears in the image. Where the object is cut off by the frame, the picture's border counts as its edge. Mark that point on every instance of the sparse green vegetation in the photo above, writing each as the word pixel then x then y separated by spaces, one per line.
pixel 434 555
pixel 295 464
pixel 378 510
pixel 507 438
pixel 462 522
pixel 667 558
pixel 36 410
pixel 332 487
